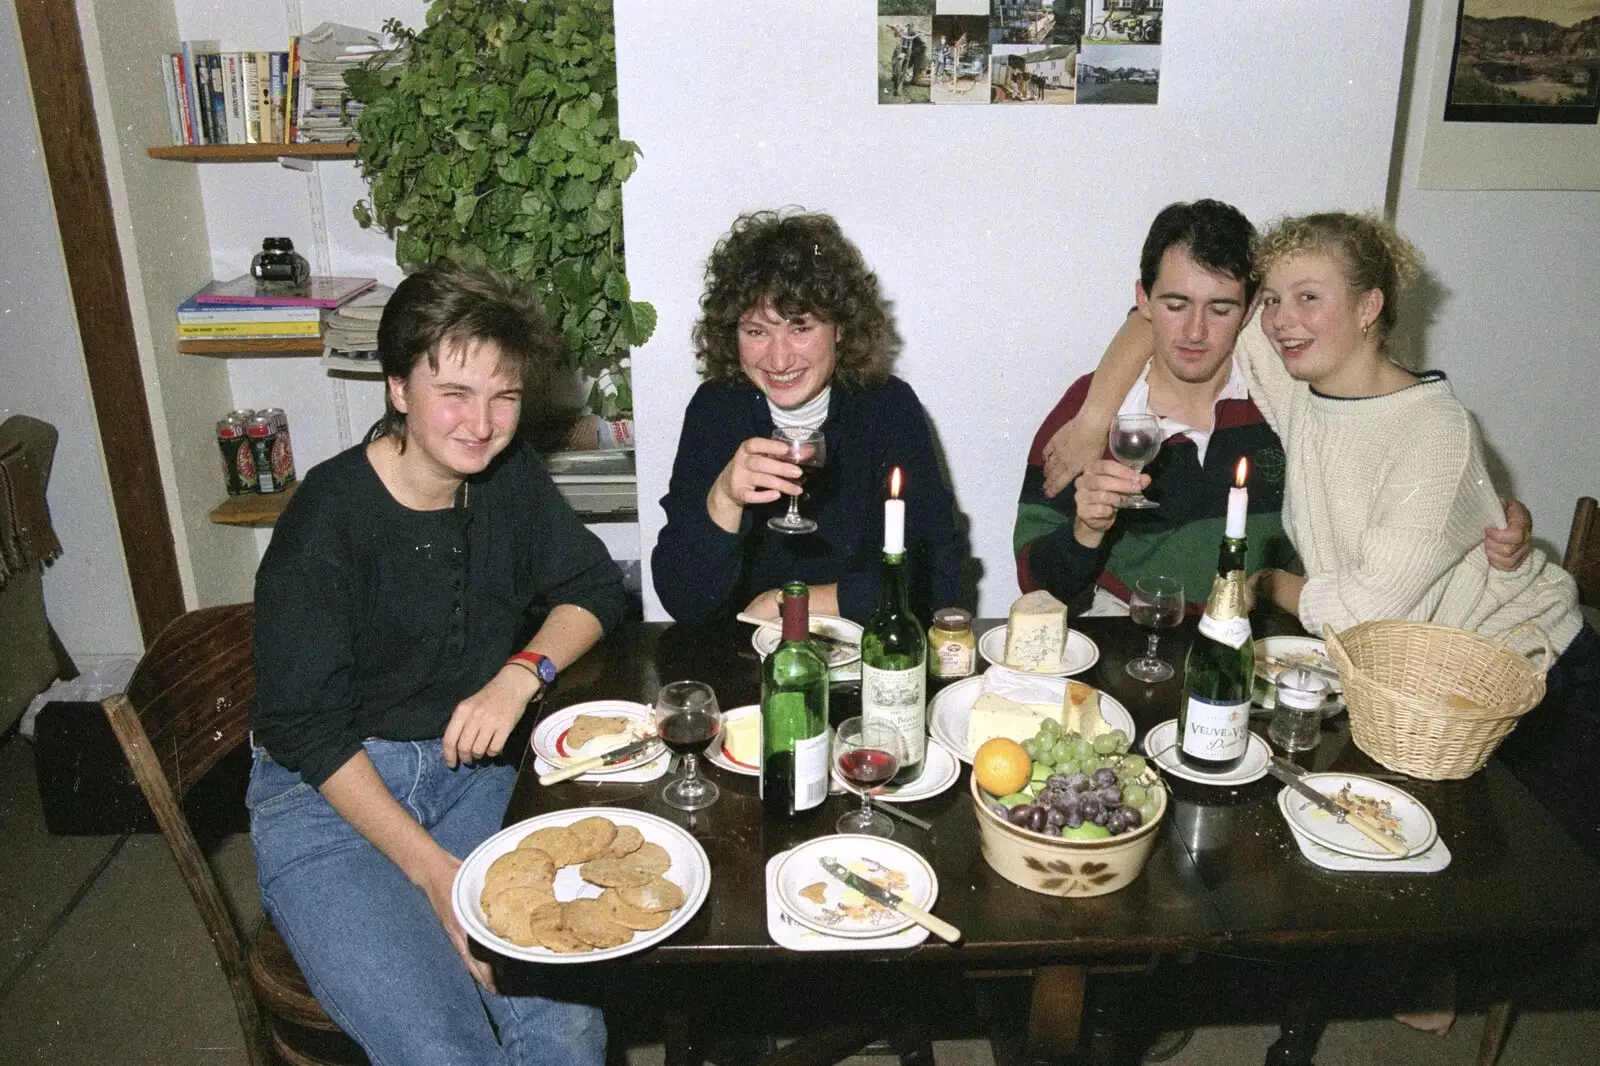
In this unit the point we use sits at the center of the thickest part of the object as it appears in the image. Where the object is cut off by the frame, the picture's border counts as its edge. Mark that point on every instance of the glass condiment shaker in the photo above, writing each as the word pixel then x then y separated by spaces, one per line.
pixel 952 649
pixel 1299 696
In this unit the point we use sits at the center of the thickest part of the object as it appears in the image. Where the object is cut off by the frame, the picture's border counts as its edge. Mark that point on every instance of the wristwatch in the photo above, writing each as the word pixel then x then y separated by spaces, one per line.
pixel 542 667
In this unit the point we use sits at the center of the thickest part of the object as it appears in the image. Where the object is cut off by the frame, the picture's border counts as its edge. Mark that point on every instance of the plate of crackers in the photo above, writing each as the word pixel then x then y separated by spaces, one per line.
pixel 594 728
pixel 575 886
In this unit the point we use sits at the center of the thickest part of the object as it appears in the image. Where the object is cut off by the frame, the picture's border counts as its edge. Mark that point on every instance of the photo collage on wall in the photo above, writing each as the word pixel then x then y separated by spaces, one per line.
pixel 1019 51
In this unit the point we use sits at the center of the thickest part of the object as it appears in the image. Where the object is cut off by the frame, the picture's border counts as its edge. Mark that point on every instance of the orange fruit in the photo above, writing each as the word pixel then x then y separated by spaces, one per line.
pixel 1001 766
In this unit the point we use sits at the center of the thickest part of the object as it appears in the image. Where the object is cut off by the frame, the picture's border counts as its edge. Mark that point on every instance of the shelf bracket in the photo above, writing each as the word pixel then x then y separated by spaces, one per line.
pixel 289 162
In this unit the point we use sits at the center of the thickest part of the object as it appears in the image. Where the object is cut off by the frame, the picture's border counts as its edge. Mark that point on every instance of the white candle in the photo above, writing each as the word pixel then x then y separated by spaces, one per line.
pixel 894 518
pixel 1238 501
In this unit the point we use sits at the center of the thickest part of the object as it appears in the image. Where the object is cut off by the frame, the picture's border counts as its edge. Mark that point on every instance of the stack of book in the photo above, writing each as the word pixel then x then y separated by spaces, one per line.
pixel 327 114
pixel 350 333
pixel 216 97
pixel 247 309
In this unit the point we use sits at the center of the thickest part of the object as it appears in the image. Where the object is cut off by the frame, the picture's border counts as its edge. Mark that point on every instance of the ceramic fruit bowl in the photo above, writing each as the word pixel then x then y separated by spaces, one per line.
pixel 1057 867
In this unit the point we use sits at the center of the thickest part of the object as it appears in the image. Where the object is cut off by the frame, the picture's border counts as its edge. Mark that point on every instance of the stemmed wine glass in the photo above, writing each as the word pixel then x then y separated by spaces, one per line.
pixel 1156 604
pixel 1136 440
pixel 688 720
pixel 807 450
pixel 868 753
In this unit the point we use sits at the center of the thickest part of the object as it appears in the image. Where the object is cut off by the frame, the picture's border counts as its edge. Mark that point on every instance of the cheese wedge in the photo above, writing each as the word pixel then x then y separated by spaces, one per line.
pixel 1036 632
pixel 741 738
pixel 995 716
pixel 1080 710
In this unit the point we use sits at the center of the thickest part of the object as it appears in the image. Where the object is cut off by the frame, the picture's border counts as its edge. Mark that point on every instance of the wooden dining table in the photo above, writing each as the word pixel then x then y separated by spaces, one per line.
pixel 1225 875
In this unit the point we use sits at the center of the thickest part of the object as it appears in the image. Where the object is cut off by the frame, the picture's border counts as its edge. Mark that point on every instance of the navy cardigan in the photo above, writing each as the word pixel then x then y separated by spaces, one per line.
pixel 701 571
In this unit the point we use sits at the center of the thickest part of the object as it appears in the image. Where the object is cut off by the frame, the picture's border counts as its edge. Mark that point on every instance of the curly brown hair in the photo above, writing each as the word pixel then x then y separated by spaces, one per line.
pixel 805 265
pixel 1372 252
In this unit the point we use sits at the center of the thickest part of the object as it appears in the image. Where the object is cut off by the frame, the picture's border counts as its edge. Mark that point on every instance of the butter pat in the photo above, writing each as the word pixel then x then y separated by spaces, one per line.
pixel 741 739
pixel 1080 711
pixel 1036 632
pixel 995 716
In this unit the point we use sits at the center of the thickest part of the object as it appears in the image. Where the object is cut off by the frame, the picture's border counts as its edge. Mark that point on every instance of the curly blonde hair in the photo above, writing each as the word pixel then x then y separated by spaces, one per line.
pixel 805 265
pixel 1372 252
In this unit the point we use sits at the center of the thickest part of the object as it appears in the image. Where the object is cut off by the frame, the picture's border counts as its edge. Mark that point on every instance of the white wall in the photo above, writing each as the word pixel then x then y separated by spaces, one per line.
pixel 1008 238
pixel 1516 330
pixel 42 374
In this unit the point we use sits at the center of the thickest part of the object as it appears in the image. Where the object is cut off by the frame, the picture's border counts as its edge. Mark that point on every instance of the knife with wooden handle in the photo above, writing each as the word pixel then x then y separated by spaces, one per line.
pixel 594 762
pixel 1286 772
pixel 938 926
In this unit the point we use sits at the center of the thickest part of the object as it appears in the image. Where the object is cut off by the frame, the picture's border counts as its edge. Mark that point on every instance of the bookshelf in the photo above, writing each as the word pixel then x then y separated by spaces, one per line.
pixel 257 346
pixel 253 509
pixel 250 153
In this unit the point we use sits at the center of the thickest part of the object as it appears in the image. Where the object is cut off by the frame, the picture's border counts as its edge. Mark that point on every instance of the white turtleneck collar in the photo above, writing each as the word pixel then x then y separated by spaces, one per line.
pixel 809 415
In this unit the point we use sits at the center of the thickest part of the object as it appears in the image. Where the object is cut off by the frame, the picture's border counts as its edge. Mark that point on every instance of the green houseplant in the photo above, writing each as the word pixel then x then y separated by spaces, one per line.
pixel 493 139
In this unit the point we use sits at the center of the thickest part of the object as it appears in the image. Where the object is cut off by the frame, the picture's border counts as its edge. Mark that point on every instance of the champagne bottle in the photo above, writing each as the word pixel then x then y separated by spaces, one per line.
pixel 1214 717
pixel 894 676
pixel 794 715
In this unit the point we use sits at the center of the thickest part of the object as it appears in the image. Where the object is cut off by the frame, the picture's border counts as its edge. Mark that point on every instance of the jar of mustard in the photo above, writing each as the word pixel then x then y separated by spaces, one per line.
pixel 952 649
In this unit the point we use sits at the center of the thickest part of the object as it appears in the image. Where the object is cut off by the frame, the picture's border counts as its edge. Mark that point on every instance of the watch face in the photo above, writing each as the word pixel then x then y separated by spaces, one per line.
pixel 546 670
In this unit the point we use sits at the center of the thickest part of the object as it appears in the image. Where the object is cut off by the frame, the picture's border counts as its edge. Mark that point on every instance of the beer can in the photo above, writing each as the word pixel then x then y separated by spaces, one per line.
pixel 238 464
pixel 243 415
pixel 263 437
pixel 280 422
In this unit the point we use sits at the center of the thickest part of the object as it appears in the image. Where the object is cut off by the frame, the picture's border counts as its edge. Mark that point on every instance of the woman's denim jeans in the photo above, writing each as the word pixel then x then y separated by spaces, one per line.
pixel 367 939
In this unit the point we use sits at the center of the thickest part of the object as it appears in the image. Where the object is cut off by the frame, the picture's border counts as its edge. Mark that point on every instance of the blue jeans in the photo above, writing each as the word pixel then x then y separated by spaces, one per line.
pixel 368 940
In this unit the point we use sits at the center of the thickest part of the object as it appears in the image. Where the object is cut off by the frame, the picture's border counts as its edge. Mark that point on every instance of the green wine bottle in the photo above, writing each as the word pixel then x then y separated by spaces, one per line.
pixel 1214 717
pixel 894 675
pixel 794 715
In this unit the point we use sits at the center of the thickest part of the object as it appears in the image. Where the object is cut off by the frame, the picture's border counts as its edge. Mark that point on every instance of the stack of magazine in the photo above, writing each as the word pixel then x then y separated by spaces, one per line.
pixel 327 114
pixel 248 309
pixel 350 333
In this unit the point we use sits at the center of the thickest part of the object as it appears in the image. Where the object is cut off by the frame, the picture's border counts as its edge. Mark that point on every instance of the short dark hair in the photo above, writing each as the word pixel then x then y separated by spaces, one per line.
pixel 805 265
pixel 451 303
pixel 1217 235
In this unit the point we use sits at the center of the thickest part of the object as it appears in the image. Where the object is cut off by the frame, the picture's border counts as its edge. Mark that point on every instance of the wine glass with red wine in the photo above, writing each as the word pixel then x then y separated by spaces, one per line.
pixel 688 720
pixel 867 752
pixel 808 451
pixel 1156 604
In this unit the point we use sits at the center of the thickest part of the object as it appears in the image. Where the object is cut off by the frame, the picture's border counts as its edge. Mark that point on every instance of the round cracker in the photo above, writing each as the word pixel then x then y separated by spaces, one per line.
pixel 594 836
pixel 658 894
pixel 520 866
pixel 630 916
pixel 590 921
pixel 510 912
pixel 627 841
pixel 615 873
pixel 555 841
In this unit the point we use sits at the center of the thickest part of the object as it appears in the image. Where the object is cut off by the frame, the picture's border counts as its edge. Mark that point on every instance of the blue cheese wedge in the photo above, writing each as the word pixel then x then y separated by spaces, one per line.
pixel 995 716
pixel 1036 633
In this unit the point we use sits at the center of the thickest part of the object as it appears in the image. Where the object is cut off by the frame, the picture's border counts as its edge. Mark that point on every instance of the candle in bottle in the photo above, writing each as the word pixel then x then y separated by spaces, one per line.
pixel 894 517
pixel 1238 500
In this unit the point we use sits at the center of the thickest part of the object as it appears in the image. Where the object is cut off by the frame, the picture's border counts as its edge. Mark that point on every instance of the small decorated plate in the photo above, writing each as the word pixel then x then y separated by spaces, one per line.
pixel 939 771
pixel 1161 745
pixel 1081 652
pixel 555 742
pixel 1383 803
pixel 843 664
pixel 719 755
pixel 815 899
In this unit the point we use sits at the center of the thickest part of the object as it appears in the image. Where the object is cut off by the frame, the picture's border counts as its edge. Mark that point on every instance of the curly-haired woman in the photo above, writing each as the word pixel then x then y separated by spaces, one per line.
pixel 793 332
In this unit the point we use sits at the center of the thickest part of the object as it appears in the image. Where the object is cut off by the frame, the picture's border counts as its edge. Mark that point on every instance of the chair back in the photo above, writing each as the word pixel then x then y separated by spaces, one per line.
pixel 188 705
pixel 1582 560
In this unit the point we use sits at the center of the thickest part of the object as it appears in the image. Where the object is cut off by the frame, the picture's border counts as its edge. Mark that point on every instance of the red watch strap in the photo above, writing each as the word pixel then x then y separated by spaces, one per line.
pixel 528 660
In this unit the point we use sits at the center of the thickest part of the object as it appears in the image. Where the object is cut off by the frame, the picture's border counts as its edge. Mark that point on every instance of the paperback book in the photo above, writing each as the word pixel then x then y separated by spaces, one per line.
pixel 314 292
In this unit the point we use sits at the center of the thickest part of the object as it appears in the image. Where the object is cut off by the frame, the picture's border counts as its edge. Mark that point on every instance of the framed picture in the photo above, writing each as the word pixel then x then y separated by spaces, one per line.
pixel 1525 61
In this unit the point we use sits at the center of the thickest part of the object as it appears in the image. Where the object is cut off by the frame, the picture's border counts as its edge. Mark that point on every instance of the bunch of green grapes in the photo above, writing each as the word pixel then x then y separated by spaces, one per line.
pixel 1082 789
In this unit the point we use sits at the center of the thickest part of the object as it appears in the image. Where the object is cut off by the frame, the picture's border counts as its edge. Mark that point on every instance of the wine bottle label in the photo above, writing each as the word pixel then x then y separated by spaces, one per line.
pixel 899 697
pixel 1225 620
pixel 811 771
pixel 1216 730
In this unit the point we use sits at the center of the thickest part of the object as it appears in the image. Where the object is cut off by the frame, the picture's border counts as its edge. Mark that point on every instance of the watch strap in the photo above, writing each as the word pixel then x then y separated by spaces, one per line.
pixel 540 665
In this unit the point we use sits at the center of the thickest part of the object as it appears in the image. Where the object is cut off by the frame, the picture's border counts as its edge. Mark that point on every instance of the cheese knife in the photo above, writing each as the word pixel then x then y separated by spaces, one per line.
pixel 594 762
pixel 938 926
pixel 1291 775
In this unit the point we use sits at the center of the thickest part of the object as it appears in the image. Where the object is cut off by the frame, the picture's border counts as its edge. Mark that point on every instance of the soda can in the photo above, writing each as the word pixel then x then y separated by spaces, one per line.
pixel 280 422
pixel 263 444
pixel 243 415
pixel 238 464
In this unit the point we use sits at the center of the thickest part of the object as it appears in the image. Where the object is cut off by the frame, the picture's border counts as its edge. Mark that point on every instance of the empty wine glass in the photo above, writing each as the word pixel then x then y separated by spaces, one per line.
pixel 867 752
pixel 688 720
pixel 807 450
pixel 1136 440
pixel 1156 604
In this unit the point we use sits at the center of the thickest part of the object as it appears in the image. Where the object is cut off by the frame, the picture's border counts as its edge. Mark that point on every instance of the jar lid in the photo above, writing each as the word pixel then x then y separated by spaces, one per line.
pixel 956 618
pixel 1299 687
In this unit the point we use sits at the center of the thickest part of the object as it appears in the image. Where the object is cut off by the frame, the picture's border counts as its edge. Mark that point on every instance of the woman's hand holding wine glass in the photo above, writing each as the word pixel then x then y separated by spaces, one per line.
pixel 808 450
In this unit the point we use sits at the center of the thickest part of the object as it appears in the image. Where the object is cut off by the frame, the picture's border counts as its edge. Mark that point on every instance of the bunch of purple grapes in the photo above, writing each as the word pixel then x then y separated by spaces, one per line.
pixel 1067 801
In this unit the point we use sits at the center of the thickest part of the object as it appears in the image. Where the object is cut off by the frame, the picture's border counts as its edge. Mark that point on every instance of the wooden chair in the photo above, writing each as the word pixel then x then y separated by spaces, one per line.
pixel 1582 560
pixel 187 706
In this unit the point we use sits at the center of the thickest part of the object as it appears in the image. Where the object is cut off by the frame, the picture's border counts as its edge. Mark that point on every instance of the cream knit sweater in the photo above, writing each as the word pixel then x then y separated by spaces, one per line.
pixel 1386 501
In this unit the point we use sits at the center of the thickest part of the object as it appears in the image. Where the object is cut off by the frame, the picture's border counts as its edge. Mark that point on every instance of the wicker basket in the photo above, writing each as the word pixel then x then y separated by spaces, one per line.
pixel 1399 680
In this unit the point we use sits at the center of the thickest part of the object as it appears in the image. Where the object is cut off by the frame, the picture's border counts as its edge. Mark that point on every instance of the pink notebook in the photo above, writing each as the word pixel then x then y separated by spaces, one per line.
pixel 314 292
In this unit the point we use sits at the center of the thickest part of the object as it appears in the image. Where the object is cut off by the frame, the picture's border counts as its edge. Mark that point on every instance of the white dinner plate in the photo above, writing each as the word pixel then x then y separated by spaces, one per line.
pixel 1308 650
pixel 1417 824
pixel 951 708
pixel 690 871
pixel 1081 653
pixel 939 771
pixel 814 898
pixel 1160 744
pixel 550 736
pixel 842 665
pixel 718 753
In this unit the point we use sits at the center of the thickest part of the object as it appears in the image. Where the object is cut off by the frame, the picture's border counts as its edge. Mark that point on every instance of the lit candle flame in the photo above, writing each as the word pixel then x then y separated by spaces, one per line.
pixel 1241 472
pixel 895 478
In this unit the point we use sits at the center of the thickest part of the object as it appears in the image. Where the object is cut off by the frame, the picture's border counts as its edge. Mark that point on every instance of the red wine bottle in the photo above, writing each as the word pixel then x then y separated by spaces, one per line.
pixel 794 715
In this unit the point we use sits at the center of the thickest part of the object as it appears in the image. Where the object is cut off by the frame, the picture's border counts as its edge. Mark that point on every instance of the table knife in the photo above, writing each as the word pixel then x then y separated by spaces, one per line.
pixel 879 894
pixel 1290 774
pixel 594 762
pixel 817 636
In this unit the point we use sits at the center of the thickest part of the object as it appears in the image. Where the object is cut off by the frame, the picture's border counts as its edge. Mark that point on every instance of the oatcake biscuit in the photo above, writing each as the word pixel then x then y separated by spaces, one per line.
pixel 635 868
pixel 520 866
pixel 586 727
pixel 632 917
pixel 555 841
pixel 594 836
pixel 658 894
pixel 589 920
pixel 652 857
pixel 627 841
pixel 560 939
pixel 509 912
